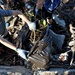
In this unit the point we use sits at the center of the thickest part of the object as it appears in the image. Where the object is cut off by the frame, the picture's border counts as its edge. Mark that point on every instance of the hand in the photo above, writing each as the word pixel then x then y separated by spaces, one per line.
pixel 32 26
pixel 22 53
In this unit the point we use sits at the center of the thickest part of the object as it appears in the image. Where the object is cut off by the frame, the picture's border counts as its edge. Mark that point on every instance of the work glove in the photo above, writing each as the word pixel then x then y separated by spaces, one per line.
pixel 32 26
pixel 22 53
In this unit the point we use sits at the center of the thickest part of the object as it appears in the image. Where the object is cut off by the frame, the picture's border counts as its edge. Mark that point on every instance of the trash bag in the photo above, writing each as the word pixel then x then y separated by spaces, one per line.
pixel 58 39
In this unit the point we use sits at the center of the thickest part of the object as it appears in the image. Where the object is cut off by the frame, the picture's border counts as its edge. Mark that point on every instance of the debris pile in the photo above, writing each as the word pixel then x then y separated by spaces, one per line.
pixel 48 47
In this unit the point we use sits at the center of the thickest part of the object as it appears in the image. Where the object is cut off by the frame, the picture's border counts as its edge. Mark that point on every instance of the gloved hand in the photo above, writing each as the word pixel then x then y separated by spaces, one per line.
pixel 22 53
pixel 32 26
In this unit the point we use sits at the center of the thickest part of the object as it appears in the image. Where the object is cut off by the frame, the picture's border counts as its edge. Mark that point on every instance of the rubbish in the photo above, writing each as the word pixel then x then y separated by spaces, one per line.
pixel 57 39
pixel 63 57
pixel 49 46
pixel 42 52
pixel 59 21
pixel 72 43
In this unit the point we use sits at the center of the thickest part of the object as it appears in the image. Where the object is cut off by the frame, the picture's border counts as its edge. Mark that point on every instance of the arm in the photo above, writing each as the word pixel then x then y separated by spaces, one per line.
pixel 15 13
pixel 7 43
pixel 9 13
pixel 21 52
pixel 20 14
pixel 32 25
pixel 39 4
